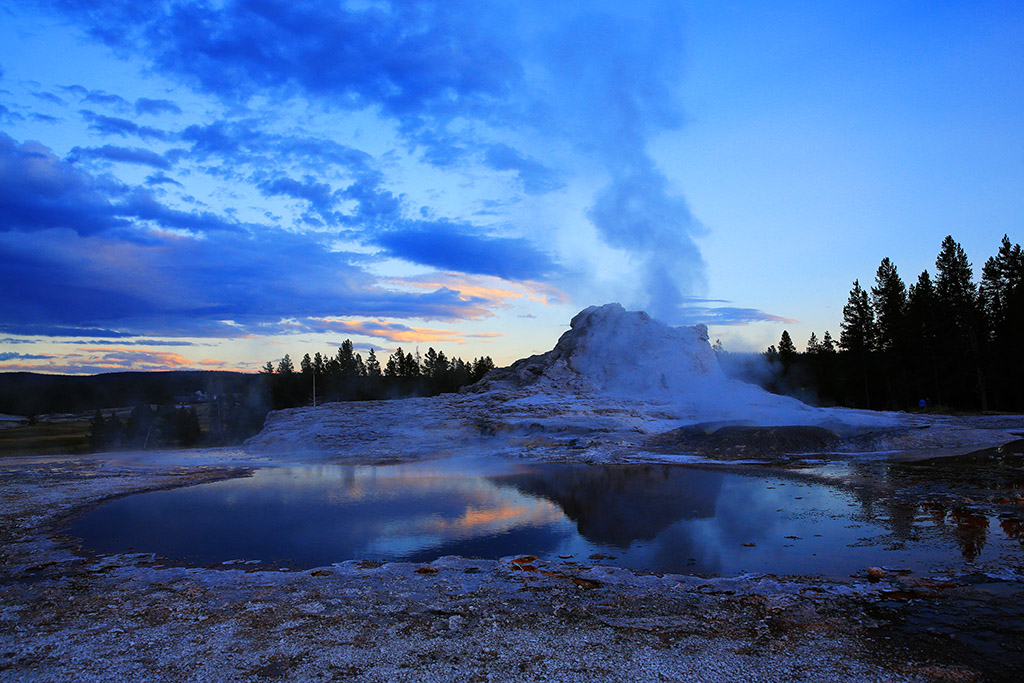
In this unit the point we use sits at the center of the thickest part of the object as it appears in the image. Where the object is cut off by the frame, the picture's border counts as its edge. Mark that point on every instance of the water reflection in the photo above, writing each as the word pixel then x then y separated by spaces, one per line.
pixel 652 517
pixel 621 505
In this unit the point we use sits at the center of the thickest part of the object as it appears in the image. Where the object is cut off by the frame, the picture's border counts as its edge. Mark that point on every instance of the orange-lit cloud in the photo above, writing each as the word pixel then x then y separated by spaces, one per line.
pixel 497 292
pixel 399 333
pixel 94 360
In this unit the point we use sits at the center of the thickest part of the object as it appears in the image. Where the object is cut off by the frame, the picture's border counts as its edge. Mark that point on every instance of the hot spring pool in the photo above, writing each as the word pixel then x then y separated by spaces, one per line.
pixel 653 517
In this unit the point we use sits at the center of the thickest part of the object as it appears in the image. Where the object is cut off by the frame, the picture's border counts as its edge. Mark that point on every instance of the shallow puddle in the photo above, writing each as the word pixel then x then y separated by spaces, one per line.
pixel 650 517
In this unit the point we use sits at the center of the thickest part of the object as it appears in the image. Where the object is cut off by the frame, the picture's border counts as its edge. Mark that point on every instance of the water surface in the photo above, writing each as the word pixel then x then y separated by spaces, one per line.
pixel 651 517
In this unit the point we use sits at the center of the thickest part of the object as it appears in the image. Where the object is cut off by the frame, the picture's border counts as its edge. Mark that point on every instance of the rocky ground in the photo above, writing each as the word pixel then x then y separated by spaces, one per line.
pixel 67 615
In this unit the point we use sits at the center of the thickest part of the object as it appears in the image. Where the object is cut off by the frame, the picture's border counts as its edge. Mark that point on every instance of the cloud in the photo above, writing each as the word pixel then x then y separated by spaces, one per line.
pixel 39 191
pixel 49 97
pixel 145 105
pixel 398 332
pixel 128 155
pixel 412 59
pixel 582 88
pixel 112 125
pixel 702 311
pixel 319 195
pixel 497 292
pixel 227 285
pixel 134 342
pixel 47 330
pixel 535 176
pixel 89 360
pixel 161 179
pixel 451 246
pixel 8 355
pixel 9 116
pixel 98 97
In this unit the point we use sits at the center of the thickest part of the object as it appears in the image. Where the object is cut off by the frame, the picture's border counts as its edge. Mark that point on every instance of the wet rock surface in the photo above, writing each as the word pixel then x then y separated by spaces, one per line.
pixel 739 441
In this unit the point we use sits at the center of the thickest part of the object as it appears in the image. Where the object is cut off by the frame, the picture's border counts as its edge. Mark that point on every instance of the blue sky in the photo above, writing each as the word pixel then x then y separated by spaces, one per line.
pixel 215 184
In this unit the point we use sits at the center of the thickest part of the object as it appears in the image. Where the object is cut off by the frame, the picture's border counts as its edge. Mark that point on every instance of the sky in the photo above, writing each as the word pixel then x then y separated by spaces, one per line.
pixel 216 184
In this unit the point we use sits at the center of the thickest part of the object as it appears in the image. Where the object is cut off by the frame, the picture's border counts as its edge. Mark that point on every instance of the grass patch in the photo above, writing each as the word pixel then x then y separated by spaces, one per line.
pixel 46 438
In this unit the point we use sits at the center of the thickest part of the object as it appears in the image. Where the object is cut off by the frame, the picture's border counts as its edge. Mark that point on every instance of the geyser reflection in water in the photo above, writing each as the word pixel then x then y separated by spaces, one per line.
pixel 650 517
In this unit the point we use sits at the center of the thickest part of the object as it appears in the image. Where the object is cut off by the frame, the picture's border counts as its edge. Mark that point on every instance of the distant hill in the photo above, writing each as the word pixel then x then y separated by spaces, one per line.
pixel 28 393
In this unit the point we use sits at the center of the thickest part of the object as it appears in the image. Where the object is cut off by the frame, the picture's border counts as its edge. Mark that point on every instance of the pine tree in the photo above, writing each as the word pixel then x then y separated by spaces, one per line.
pixel 346 360
pixel 285 367
pixel 787 351
pixel 372 365
pixel 393 368
pixel 1002 302
pixel 889 303
pixel 813 345
pixel 961 317
pixel 922 337
pixel 1001 276
pixel 430 368
pixel 858 335
pixel 828 345
pixel 858 326
pixel 481 366
pixel 954 286
pixel 268 368
pixel 409 365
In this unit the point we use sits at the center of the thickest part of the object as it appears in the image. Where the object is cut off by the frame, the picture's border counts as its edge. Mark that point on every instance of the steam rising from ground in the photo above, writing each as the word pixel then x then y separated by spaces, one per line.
pixel 616 80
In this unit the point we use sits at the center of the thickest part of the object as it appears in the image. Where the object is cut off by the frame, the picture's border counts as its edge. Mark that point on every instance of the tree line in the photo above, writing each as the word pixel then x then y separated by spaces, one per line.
pixel 347 376
pixel 945 342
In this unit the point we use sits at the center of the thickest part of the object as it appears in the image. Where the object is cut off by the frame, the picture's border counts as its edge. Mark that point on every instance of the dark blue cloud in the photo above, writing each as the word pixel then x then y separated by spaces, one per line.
pixel 46 330
pixel 266 282
pixel 237 144
pixel 418 62
pixel 9 116
pixel 47 96
pixel 128 155
pixel 455 247
pixel 245 141
pixel 535 176
pixel 116 279
pixel 142 205
pixel 145 105
pixel 134 342
pixel 98 97
pixel 319 195
pixel 39 191
pixel 161 179
pixel 44 118
pixel 112 125
pixel 9 355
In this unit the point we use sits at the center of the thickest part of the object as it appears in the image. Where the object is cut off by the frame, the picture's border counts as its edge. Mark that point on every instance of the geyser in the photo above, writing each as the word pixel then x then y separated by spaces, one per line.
pixel 627 354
